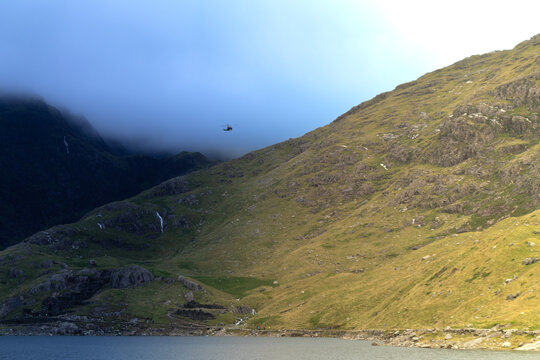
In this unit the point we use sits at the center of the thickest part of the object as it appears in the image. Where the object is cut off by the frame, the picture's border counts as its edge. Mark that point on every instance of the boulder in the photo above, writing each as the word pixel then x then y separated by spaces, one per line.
pixel 531 346
pixel 130 276
pixel 512 296
pixel 529 261
pixel 67 328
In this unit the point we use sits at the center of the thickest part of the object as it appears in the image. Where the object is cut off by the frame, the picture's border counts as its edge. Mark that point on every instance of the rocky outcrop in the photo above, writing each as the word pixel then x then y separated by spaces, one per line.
pixel 535 346
pixel 523 91
pixel 513 296
pixel 60 237
pixel 132 219
pixel 244 309
pixel 472 128
pixel 68 328
pixel 529 261
pixel 191 285
pixel 72 288
pixel 15 273
pixel 195 314
pixel 10 305
pixel 175 186
pixel 195 305
pixel 130 276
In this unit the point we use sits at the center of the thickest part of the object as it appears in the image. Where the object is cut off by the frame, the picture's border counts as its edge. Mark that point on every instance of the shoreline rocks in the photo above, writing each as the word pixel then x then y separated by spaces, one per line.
pixel 466 338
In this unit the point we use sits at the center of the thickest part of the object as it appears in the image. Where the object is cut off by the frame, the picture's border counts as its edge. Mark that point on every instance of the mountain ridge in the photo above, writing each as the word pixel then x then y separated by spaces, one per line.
pixel 56 166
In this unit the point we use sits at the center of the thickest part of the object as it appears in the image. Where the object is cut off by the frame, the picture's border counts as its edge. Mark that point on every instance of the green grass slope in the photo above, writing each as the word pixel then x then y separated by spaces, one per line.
pixel 413 209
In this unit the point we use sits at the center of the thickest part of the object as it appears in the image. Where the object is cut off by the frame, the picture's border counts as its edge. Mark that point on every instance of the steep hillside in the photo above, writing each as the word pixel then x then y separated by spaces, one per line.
pixel 413 209
pixel 56 167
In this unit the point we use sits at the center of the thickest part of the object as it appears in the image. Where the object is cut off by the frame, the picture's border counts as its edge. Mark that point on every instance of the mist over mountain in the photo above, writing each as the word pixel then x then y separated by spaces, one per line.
pixel 55 167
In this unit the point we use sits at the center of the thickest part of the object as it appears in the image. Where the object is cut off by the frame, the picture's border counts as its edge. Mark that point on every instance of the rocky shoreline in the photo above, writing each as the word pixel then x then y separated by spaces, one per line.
pixel 70 327
pixel 468 338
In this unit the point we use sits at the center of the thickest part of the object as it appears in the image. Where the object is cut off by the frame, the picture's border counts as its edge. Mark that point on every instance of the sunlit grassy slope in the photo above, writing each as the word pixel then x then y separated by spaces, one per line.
pixel 410 210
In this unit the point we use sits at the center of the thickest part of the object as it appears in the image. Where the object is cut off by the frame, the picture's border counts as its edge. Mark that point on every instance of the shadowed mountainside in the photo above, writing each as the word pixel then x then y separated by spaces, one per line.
pixel 55 167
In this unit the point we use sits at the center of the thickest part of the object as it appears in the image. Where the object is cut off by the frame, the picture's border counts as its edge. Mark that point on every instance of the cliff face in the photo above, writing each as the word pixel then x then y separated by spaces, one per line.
pixel 56 167
pixel 414 209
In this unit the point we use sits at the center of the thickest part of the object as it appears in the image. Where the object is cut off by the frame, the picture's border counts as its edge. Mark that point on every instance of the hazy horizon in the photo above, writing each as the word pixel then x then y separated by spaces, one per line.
pixel 168 76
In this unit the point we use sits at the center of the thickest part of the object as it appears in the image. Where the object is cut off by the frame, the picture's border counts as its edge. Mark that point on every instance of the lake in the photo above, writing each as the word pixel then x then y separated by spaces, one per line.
pixel 225 348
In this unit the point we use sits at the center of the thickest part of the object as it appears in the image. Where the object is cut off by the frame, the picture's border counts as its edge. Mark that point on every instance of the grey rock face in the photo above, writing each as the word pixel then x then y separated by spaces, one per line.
pixel 9 305
pixel 133 219
pixel 60 237
pixel 512 296
pixel 173 186
pixel 60 281
pixel 56 282
pixel 195 314
pixel 243 309
pixel 191 285
pixel 15 273
pixel 87 273
pixel 130 276
pixel 521 92
pixel 40 238
pixel 67 328
pixel 71 288
pixel 529 261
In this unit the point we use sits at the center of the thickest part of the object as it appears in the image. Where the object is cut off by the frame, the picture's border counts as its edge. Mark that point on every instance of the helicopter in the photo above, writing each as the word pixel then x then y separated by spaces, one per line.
pixel 227 127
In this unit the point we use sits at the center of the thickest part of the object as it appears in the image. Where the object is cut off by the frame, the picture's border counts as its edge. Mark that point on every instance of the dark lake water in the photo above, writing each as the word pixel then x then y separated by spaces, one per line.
pixel 225 348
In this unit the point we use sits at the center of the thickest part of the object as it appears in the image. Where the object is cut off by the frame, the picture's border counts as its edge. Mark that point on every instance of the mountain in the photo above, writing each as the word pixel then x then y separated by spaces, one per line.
pixel 55 167
pixel 415 209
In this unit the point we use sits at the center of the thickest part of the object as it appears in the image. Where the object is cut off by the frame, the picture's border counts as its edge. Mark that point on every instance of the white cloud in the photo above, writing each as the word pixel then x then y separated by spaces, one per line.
pixel 447 31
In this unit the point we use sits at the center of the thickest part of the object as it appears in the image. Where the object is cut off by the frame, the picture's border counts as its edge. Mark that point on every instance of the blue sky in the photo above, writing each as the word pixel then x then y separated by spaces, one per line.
pixel 168 74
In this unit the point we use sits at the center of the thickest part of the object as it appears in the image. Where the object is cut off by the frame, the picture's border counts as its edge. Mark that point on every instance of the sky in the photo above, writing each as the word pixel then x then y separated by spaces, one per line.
pixel 169 75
